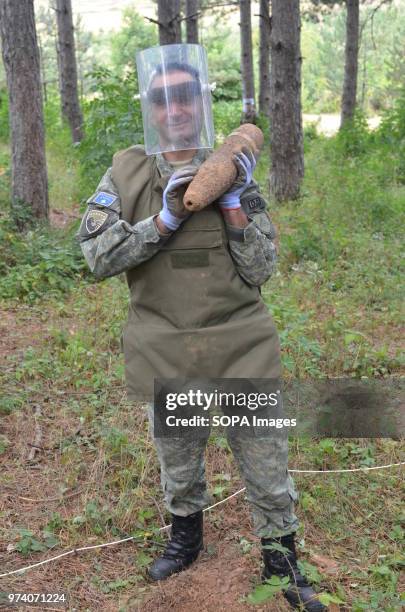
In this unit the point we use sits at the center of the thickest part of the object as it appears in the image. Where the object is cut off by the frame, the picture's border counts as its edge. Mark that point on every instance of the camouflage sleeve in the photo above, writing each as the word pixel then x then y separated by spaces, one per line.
pixel 252 248
pixel 109 244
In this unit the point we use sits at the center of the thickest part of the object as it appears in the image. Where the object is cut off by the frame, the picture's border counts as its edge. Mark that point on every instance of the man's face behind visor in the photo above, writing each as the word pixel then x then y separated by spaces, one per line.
pixel 176 106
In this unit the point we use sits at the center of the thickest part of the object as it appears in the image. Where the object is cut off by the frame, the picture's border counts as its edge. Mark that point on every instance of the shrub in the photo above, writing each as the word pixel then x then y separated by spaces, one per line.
pixel 392 126
pixel 38 263
pixel 354 138
pixel 113 121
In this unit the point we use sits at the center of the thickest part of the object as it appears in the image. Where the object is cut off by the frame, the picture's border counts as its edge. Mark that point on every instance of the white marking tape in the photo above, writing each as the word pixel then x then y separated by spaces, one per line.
pixel 76 550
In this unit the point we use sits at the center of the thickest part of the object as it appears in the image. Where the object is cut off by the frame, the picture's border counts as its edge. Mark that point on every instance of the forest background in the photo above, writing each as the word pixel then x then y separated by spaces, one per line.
pixel 78 466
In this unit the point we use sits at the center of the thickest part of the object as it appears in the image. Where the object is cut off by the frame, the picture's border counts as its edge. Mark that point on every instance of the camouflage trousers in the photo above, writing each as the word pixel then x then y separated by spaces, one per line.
pixel 262 463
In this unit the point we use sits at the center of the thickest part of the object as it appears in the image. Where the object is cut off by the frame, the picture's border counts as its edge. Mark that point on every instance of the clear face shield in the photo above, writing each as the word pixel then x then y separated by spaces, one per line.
pixel 175 98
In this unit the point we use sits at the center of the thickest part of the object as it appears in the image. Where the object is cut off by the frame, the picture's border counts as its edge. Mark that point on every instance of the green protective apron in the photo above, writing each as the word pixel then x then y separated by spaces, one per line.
pixel 191 314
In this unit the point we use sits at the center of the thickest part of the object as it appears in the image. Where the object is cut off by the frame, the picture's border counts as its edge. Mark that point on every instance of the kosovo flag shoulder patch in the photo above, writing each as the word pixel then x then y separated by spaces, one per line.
pixel 104 199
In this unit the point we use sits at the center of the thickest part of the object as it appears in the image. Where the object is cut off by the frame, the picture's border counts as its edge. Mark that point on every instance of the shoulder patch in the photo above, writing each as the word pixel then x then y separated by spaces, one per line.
pixel 95 219
pixel 253 203
pixel 104 199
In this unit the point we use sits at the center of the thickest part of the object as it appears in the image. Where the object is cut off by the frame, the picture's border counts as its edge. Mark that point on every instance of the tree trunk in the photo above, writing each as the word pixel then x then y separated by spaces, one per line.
pixel 169 22
pixel 248 85
pixel 351 61
pixel 68 72
pixel 29 185
pixel 264 58
pixel 192 21
pixel 286 138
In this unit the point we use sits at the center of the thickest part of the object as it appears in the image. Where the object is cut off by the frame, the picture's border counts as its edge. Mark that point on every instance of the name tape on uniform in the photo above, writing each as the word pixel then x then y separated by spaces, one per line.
pixel 253 204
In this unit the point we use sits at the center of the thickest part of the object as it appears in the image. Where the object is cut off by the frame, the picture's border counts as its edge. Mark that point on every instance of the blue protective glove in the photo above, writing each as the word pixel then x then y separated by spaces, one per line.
pixel 245 162
pixel 174 212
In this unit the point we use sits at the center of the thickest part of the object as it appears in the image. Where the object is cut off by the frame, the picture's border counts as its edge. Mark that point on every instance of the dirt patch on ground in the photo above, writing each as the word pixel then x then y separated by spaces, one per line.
pixel 223 575
pixel 227 571
pixel 221 578
pixel 388 337
pixel 19 329
pixel 63 218
pixel 112 578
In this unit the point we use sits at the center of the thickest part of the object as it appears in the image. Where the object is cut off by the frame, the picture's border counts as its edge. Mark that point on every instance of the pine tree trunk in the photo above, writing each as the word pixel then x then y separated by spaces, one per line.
pixel 169 22
pixel 248 85
pixel 264 58
pixel 286 138
pixel 29 185
pixel 351 61
pixel 192 21
pixel 68 71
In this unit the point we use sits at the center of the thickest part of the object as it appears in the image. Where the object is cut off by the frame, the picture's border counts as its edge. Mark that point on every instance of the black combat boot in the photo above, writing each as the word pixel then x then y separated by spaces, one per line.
pixel 299 594
pixel 185 543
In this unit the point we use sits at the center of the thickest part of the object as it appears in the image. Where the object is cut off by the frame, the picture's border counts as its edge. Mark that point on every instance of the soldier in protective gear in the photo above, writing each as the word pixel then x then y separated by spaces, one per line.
pixel 195 308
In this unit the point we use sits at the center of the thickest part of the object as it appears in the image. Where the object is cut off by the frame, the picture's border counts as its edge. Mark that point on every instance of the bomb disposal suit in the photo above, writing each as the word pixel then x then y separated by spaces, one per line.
pixel 195 305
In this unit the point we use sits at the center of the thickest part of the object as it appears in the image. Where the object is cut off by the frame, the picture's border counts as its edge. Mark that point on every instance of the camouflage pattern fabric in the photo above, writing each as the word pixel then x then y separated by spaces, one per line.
pixel 110 245
pixel 262 464
pixel 119 246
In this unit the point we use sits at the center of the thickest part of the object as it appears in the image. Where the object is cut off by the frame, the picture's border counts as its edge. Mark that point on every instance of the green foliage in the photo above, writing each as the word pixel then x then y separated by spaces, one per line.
pixel 55 523
pixel 392 127
pixel 323 63
pixel 304 243
pixel 381 59
pixel 266 592
pixel 326 599
pixel 5 174
pixel 57 132
pixel 95 517
pixel 223 51
pixel 354 137
pixel 28 543
pixel 4 115
pixel 226 118
pixel 341 252
pixel 310 134
pixel 111 586
pixel 335 299
pixel 45 21
pixel 310 571
pixel 90 50
pixel 113 121
pixel 117 443
pixel 394 63
pixel 34 264
pixel 10 403
pixel 21 215
pixel 134 35
pixel 4 443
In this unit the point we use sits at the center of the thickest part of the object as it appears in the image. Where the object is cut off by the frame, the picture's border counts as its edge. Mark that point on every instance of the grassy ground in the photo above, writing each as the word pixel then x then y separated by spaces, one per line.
pixel 78 466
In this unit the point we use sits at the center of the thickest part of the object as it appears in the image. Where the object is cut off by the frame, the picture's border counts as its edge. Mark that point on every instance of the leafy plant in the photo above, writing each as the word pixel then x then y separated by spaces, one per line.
pixel 29 543
pixel 113 121
pixel 34 264
pixel 353 139
pixel 266 592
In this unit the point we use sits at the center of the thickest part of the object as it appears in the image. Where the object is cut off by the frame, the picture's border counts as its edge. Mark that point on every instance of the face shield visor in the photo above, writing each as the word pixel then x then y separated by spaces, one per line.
pixel 175 98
